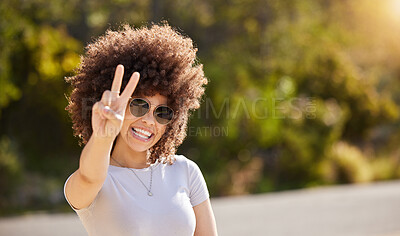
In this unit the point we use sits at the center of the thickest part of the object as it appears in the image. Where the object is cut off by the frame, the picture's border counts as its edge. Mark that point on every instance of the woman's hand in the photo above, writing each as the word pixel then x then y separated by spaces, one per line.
pixel 108 114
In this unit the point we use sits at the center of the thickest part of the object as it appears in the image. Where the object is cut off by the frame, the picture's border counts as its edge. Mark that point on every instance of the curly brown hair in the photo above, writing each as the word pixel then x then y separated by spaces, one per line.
pixel 166 61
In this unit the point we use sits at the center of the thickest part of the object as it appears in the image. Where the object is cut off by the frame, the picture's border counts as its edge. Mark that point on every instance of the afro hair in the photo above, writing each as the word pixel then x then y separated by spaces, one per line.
pixel 166 61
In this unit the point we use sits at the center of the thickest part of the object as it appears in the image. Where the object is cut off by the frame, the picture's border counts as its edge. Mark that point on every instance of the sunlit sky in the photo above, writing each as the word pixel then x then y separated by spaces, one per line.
pixel 394 9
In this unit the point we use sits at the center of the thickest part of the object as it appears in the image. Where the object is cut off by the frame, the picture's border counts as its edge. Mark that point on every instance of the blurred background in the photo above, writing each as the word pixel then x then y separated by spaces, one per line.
pixel 301 94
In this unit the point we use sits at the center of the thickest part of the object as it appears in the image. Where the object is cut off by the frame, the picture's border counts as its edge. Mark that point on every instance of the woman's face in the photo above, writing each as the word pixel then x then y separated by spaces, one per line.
pixel 141 133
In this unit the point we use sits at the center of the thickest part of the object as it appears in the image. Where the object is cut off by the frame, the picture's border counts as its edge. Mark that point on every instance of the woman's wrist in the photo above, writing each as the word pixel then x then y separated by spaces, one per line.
pixel 103 139
pixel 105 136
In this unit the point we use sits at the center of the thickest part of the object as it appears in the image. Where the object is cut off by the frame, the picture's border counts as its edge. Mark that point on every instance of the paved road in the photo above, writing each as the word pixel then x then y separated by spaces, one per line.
pixel 351 210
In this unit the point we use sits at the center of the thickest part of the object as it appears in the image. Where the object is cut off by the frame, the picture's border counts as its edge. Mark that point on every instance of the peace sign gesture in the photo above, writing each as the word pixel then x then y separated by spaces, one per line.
pixel 108 114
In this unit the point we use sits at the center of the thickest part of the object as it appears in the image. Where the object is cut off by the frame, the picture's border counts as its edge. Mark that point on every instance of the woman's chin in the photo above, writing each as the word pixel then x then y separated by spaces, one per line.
pixel 138 146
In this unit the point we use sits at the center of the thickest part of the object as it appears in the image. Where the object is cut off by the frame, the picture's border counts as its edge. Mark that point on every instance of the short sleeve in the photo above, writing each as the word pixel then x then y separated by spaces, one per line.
pixel 198 191
pixel 78 211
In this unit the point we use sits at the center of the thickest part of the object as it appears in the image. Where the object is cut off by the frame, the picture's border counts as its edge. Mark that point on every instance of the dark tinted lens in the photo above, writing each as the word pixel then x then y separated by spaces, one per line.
pixel 163 114
pixel 139 107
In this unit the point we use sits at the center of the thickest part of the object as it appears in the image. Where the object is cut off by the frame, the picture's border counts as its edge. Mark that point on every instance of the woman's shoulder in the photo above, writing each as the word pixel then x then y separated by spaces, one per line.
pixel 180 159
pixel 183 161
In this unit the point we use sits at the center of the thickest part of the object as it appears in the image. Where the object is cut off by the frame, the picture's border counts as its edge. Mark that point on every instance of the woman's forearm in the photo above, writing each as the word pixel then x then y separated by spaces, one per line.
pixel 95 158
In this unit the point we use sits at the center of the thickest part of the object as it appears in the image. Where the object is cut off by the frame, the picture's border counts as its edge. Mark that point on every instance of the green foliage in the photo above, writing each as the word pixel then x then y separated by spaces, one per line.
pixel 352 166
pixel 302 63
pixel 34 60
pixel 10 171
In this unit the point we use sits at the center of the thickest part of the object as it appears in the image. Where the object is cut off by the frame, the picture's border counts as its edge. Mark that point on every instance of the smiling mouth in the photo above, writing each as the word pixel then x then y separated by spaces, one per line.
pixel 141 134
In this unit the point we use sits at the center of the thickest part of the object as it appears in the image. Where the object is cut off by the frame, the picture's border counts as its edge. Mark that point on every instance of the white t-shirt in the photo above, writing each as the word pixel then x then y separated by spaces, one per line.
pixel 122 206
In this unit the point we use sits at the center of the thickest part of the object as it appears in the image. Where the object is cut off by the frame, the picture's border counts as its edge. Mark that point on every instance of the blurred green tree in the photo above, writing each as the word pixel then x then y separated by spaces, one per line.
pixel 35 56
pixel 296 87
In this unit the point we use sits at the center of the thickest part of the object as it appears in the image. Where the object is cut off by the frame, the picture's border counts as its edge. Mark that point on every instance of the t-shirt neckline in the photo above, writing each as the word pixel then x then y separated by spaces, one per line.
pixel 154 166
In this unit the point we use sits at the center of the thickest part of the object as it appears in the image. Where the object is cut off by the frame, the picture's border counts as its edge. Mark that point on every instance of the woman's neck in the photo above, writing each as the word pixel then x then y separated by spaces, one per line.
pixel 123 156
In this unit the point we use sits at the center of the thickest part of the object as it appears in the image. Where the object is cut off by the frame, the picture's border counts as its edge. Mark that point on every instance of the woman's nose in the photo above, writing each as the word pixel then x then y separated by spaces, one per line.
pixel 148 118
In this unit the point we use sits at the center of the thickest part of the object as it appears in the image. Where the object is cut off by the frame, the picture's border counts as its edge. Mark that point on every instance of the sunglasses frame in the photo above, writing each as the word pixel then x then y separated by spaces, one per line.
pixel 150 105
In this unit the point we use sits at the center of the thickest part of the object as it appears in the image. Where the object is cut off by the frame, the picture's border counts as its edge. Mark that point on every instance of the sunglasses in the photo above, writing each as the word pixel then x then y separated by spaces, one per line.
pixel 140 106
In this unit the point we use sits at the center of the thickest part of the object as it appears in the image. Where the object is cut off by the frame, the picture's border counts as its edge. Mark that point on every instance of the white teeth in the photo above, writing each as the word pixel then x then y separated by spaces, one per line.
pixel 142 136
pixel 142 133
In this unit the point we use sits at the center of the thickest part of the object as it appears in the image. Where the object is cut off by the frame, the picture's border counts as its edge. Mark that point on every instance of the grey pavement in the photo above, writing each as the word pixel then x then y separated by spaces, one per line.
pixel 347 210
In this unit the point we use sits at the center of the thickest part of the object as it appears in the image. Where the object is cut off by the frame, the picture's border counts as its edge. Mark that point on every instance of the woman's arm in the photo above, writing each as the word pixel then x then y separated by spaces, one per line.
pixel 205 220
pixel 107 117
pixel 85 183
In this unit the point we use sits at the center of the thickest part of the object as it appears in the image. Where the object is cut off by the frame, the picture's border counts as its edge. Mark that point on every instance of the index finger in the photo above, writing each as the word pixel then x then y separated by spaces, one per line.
pixel 130 87
pixel 119 74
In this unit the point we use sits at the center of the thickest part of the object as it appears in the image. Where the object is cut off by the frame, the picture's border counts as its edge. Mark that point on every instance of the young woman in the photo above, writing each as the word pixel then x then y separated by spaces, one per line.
pixel 129 180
